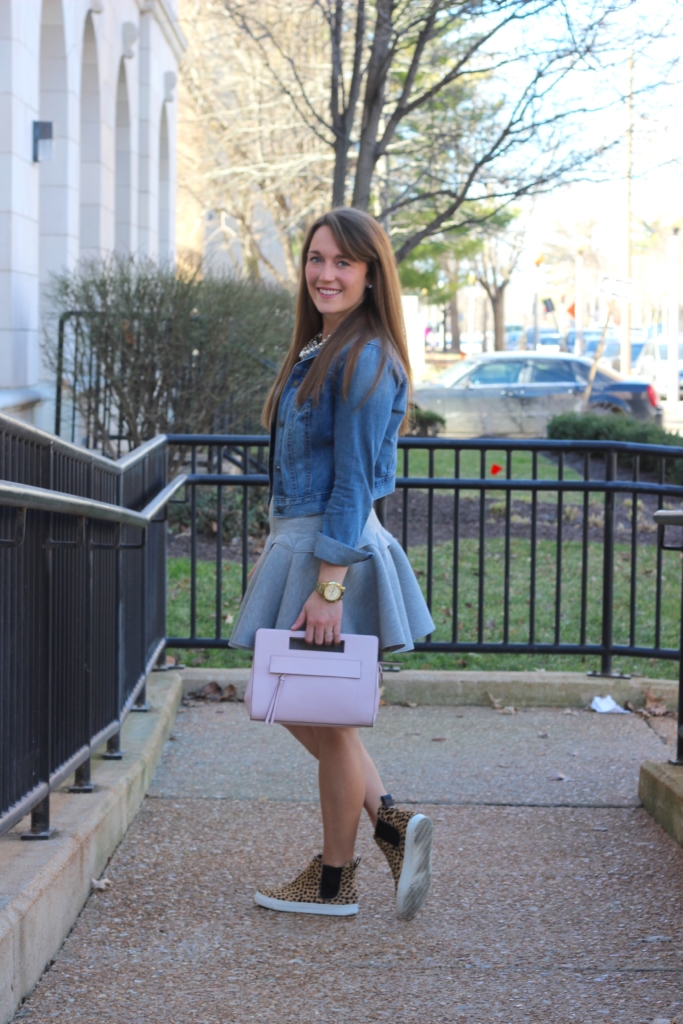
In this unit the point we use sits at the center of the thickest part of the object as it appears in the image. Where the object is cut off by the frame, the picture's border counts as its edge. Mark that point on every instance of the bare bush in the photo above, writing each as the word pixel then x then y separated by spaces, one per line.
pixel 155 350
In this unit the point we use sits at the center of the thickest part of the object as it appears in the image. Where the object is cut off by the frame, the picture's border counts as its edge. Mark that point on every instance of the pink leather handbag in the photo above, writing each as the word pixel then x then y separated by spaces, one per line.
pixel 296 683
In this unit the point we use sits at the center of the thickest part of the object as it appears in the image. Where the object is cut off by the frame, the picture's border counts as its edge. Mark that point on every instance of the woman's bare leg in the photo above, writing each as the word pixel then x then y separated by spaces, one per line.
pixel 341 779
pixel 307 735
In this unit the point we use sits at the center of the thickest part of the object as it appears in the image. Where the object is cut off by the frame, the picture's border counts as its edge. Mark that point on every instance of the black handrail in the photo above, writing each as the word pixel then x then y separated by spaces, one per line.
pixel 663 519
pixel 82 608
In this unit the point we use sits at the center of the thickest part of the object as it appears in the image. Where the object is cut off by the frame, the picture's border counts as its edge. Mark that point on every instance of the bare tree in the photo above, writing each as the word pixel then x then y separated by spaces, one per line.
pixel 494 265
pixel 244 153
pixel 434 105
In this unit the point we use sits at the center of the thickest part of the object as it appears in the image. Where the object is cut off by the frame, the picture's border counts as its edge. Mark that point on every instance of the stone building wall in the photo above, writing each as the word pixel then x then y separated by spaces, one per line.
pixel 103 73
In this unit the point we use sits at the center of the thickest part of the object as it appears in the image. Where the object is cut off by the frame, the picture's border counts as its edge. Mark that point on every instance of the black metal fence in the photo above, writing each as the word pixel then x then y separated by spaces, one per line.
pixel 82 607
pixel 521 547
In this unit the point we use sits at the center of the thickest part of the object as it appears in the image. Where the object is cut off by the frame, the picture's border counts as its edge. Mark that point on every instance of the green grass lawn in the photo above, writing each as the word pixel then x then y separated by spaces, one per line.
pixel 471 468
pixel 468 589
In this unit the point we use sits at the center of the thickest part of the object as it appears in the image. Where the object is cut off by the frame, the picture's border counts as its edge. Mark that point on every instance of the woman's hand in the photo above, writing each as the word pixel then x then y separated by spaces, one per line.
pixel 322 620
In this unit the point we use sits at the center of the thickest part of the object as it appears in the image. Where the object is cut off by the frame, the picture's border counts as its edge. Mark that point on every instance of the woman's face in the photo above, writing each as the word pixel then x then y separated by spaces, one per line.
pixel 335 283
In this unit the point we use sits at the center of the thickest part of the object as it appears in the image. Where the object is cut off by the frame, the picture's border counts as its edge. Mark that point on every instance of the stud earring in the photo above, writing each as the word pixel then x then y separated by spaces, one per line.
pixel 368 286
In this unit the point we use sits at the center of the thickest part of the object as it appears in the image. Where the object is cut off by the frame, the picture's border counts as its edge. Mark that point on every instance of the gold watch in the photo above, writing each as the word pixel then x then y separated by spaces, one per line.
pixel 330 591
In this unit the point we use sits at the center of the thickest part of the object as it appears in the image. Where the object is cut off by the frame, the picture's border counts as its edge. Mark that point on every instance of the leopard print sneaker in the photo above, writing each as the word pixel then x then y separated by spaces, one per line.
pixel 302 896
pixel 405 839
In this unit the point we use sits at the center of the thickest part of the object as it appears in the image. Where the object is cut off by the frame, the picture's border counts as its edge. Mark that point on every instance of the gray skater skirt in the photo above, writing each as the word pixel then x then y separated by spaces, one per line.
pixel 382 596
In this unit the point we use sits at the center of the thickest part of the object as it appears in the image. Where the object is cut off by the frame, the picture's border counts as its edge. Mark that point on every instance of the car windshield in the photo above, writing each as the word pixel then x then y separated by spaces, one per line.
pixel 453 374
pixel 496 371
pixel 611 350
pixel 546 336
pixel 664 350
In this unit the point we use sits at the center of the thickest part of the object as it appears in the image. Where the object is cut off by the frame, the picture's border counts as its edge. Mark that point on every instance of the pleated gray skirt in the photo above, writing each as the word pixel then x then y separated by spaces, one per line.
pixel 382 596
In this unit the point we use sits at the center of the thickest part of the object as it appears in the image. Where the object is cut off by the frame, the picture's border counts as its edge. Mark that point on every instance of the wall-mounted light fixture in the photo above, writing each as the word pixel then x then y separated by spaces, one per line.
pixel 130 35
pixel 42 142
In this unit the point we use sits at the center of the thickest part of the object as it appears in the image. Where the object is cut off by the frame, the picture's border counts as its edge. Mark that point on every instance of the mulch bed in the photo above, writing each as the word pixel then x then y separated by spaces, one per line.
pixel 468 522
pixel 520 519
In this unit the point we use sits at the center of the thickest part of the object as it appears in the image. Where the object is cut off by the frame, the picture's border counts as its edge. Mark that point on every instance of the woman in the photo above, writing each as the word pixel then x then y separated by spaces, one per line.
pixel 334 413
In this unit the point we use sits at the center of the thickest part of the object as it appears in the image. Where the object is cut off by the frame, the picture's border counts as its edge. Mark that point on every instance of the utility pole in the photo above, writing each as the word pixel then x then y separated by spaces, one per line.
pixel 626 341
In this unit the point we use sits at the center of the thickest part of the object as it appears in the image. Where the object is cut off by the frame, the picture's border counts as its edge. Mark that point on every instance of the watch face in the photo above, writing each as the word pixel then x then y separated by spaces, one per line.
pixel 332 592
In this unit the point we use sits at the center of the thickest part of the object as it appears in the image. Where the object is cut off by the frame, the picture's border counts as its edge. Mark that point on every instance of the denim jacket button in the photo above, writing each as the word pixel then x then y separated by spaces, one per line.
pixel 295 383
pixel 278 466
pixel 281 423
pixel 279 508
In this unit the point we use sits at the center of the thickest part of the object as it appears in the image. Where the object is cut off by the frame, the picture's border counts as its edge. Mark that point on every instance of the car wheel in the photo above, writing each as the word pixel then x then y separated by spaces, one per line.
pixel 605 408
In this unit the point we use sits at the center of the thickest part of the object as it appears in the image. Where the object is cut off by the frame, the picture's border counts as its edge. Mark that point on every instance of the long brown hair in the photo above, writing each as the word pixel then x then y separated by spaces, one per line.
pixel 379 315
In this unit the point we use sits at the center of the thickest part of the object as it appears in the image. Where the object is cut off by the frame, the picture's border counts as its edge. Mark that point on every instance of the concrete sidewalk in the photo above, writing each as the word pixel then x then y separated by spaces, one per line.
pixel 556 898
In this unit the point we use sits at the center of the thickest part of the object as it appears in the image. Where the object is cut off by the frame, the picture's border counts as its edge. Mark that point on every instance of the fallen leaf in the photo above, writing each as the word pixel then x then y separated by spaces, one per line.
pixel 569 711
pixel 229 693
pixel 495 702
pixel 542 735
pixel 558 777
pixel 229 618
pixel 100 884
pixel 438 739
pixel 509 710
pixel 654 703
pixel 408 704
pixel 599 828
pixel 211 691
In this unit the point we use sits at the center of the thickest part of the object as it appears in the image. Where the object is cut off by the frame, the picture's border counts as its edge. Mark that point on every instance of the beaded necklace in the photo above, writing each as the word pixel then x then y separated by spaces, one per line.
pixel 313 345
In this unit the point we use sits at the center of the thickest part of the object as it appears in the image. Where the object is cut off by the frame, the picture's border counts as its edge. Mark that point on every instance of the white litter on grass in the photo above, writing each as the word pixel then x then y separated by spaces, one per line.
pixel 607 706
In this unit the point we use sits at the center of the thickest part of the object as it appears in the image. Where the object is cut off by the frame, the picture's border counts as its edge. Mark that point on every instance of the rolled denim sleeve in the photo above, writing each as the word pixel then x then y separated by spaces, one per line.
pixel 360 423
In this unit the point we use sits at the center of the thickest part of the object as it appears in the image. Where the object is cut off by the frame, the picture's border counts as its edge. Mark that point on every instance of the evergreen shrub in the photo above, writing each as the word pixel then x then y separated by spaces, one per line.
pixel 572 426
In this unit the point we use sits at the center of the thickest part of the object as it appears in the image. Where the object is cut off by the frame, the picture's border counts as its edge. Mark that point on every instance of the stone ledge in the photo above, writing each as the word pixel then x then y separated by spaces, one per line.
pixel 661 790
pixel 44 885
pixel 522 689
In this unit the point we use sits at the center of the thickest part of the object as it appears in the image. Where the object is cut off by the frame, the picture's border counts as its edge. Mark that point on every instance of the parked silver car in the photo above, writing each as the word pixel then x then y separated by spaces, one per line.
pixel 515 394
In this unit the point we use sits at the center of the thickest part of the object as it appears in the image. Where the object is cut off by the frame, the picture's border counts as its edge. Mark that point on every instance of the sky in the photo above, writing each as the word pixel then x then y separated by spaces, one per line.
pixel 657 185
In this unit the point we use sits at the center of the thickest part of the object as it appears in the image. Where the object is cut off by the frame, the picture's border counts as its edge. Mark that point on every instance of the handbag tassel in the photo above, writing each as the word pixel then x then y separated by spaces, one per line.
pixel 272 710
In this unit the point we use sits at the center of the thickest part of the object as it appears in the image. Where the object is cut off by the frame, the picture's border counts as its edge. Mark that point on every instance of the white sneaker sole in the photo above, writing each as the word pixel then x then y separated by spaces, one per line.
pixel 416 873
pixel 330 909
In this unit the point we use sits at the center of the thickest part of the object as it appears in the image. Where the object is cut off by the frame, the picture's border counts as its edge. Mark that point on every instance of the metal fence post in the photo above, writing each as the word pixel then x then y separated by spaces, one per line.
pixel 608 575
pixel 40 821
pixel 40 815
pixel 82 779
pixel 608 569
pixel 664 518
pixel 678 759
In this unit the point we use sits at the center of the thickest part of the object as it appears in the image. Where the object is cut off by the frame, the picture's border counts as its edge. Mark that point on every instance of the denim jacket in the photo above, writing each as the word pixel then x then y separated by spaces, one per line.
pixel 337 455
